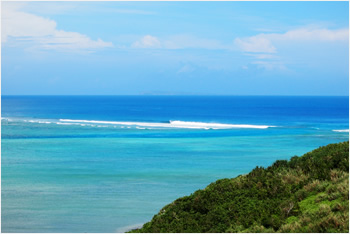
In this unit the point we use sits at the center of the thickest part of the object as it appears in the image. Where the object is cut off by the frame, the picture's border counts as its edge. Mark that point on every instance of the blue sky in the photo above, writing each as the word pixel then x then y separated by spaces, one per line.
pixel 175 48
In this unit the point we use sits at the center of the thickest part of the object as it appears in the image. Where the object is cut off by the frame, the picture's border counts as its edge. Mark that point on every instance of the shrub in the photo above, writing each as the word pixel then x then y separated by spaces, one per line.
pixel 312 189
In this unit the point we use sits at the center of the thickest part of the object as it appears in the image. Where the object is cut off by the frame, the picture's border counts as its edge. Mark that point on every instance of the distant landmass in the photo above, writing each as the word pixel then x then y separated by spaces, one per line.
pixel 305 194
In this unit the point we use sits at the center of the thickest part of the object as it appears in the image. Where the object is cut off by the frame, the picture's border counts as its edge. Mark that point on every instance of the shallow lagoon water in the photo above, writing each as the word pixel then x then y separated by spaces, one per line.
pixel 101 177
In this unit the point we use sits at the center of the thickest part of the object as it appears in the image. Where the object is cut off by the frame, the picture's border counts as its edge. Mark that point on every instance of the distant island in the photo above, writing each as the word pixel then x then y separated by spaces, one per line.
pixel 305 194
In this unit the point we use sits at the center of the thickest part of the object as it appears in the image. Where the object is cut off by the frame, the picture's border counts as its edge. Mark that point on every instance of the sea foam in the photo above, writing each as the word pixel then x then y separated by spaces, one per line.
pixel 341 130
pixel 170 124
pixel 147 125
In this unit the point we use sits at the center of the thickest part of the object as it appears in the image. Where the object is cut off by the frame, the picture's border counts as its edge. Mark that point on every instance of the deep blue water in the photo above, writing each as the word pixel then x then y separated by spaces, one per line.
pixel 108 163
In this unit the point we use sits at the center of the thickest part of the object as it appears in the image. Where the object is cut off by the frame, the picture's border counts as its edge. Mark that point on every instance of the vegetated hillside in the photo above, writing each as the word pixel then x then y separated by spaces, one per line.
pixel 305 194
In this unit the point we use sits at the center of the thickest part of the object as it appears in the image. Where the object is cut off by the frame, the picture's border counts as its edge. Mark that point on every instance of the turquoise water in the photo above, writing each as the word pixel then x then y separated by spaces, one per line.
pixel 108 164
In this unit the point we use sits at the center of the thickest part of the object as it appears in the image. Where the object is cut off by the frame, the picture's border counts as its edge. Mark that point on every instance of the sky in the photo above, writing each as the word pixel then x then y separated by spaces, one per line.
pixel 175 48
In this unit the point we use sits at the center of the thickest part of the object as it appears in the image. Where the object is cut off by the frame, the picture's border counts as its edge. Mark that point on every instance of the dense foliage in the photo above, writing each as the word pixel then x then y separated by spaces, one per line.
pixel 305 194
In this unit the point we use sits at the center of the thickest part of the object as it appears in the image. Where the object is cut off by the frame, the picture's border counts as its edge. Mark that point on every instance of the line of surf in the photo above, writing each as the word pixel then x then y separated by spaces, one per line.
pixel 171 124
pixel 341 130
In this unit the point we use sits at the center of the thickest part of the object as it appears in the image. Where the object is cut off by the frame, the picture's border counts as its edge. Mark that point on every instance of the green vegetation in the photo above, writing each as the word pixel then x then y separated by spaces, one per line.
pixel 305 194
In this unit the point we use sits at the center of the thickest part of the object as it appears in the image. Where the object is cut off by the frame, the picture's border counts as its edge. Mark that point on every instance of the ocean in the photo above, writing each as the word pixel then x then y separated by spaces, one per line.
pixel 109 163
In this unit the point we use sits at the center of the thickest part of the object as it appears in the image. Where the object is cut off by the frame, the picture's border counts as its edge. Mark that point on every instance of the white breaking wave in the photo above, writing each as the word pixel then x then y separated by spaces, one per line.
pixel 342 130
pixel 171 124
pixel 215 125
pixel 145 125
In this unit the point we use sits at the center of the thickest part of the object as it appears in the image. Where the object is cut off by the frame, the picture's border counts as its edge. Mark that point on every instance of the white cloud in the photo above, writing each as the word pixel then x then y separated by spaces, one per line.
pixel 72 40
pixel 43 32
pixel 305 34
pixel 20 24
pixel 147 41
pixel 262 46
pixel 255 44
pixel 263 43
pixel 179 42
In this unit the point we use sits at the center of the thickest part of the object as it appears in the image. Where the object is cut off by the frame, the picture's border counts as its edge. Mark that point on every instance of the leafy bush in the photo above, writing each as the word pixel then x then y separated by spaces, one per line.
pixel 305 194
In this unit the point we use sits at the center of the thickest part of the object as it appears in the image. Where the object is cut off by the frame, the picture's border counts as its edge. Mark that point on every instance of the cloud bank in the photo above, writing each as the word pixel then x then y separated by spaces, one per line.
pixel 262 47
pixel 43 32
pixel 263 43
pixel 147 41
